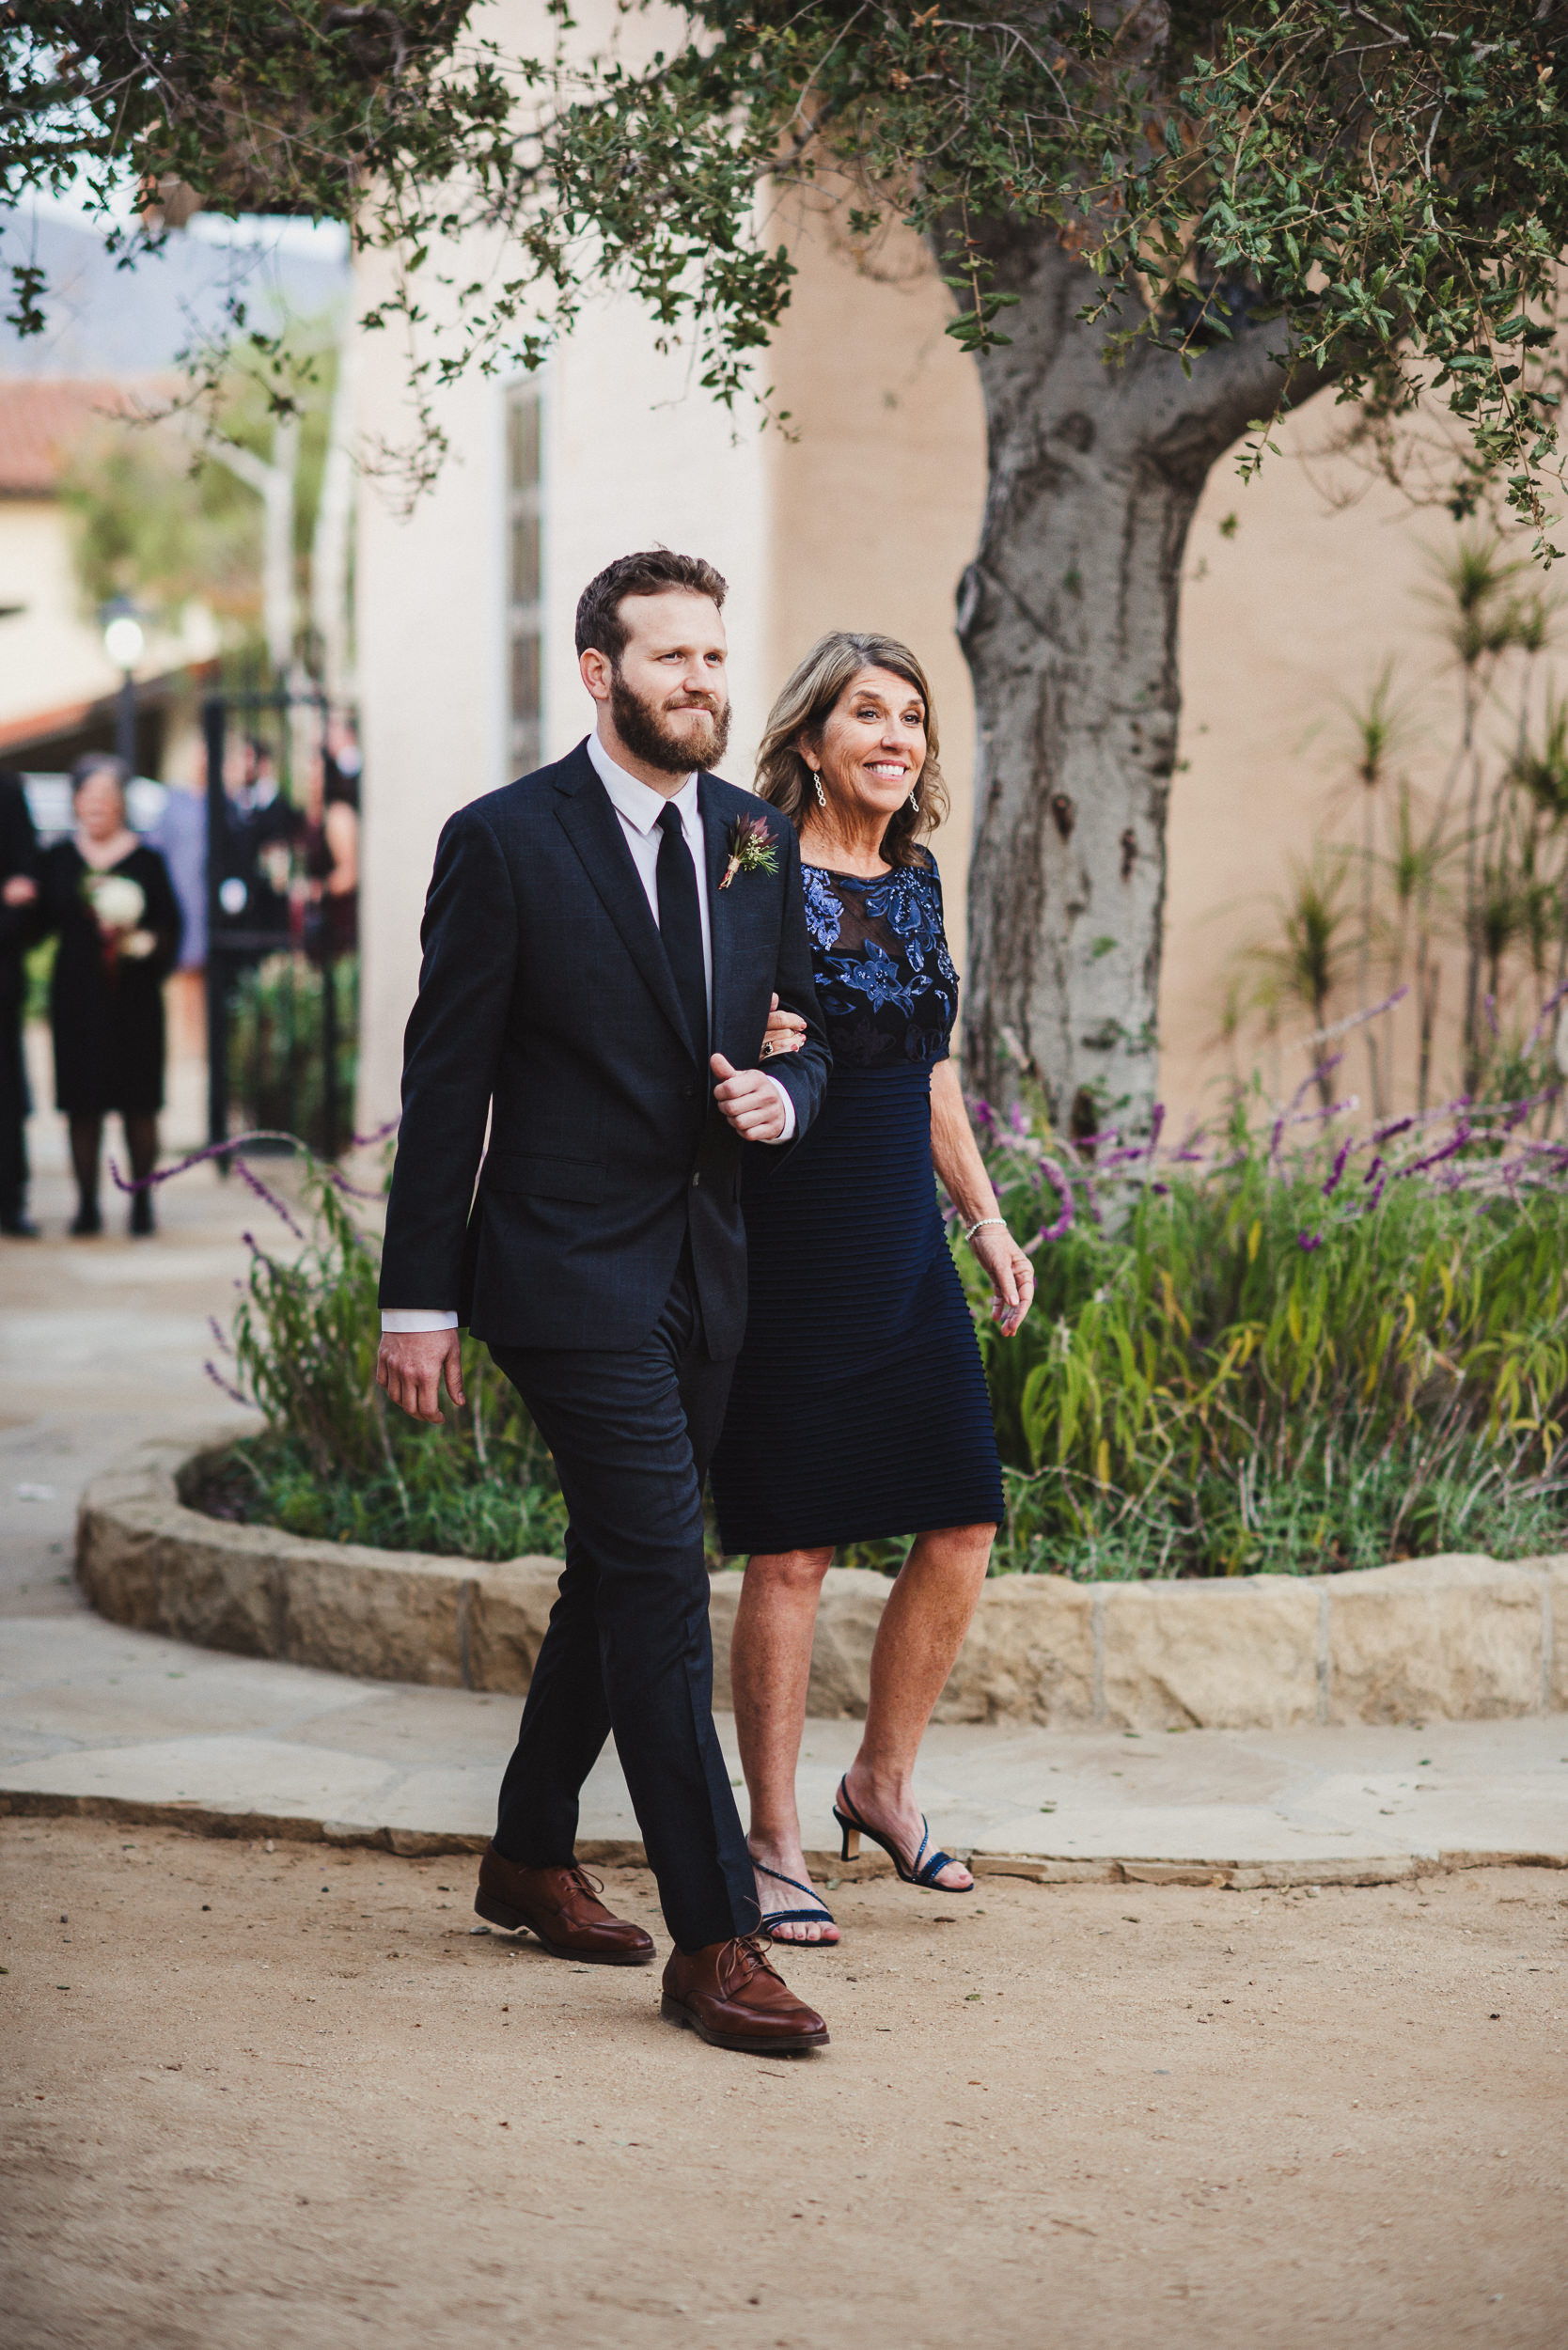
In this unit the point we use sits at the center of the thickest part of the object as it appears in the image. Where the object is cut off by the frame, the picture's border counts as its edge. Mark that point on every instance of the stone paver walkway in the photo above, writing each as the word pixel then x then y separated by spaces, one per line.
pixel 90 1712
pixel 103 1341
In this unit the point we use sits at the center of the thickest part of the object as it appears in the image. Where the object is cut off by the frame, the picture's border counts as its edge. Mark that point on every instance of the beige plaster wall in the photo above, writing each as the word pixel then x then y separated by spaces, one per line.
pixel 866 517
pixel 51 655
pixel 429 624
pixel 875 505
pixel 1326 573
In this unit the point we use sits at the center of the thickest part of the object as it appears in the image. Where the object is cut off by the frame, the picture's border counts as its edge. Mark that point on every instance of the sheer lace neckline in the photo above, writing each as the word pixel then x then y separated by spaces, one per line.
pixel 862 881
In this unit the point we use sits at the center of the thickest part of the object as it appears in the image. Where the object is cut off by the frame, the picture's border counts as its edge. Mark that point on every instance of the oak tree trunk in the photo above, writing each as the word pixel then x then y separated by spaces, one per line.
pixel 1069 617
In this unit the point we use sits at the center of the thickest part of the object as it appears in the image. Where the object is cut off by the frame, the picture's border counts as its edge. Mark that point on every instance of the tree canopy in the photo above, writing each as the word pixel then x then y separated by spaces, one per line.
pixel 1388 182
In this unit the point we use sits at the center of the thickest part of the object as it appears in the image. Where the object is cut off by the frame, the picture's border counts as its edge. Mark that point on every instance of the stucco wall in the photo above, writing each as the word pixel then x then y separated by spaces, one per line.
pixel 874 504
pixel 864 516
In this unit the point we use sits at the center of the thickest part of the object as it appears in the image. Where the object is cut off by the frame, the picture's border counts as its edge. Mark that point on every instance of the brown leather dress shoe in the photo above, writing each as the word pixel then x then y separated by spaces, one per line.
pixel 732 1995
pixel 561 1906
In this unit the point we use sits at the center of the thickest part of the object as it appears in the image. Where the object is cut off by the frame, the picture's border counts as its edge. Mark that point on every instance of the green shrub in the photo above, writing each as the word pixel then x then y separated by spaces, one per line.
pixel 276 1046
pixel 1254 1354
pixel 1245 1357
pixel 336 1460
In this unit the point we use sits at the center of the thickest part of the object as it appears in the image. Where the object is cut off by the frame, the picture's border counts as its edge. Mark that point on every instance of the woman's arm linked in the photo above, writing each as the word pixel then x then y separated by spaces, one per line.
pixel 958 1164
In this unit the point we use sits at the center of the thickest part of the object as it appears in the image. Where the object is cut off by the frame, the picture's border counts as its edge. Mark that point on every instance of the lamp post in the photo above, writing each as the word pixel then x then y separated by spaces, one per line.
pixel 123 642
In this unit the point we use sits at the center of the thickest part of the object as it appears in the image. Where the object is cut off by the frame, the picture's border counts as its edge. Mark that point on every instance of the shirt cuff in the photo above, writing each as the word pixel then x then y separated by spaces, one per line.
pixel 405 1317
pixel 783 1093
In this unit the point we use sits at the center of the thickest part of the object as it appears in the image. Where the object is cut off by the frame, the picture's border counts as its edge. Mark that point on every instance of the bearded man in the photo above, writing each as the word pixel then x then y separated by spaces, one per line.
pixel 602 944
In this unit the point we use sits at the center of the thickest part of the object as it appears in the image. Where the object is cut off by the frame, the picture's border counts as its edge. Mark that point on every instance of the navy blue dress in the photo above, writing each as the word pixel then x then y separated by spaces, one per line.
pixel 859 1409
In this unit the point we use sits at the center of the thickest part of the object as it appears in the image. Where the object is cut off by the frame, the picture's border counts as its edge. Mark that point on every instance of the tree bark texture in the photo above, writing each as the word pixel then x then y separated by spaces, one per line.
pixel 1068 618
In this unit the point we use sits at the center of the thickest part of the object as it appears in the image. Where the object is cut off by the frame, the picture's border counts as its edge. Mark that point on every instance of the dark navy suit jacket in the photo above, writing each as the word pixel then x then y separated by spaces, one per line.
pixel 546 1003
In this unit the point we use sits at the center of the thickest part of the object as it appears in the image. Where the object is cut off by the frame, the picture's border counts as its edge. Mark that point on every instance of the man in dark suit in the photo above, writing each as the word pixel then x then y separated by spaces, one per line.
pixel 19 923
pixel 602 949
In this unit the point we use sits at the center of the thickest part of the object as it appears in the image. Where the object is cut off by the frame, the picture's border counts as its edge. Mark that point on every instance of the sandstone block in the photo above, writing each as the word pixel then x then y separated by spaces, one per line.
pixel 379 1614
pixel 724 1598
pixel 508 1613
pixel 847 1620
pixel 1029 1655
pixel 850 1609
pixel 1458 1636
pixel 1555 1575
pixel 1222 1656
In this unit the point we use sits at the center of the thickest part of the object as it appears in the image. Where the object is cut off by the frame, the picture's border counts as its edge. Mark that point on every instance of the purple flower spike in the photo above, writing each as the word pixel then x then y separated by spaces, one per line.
pixel 248 1175
pixel 1308 1241
pixel 1063 1224
pixel 1341 1155
pixel 219 1381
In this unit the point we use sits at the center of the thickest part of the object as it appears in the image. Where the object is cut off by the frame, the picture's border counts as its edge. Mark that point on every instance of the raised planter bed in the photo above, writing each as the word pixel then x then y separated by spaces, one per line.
pixel 1465 1638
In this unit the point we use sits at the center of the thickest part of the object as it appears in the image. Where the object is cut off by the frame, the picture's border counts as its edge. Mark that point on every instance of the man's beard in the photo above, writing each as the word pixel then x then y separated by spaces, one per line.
pixel 642 728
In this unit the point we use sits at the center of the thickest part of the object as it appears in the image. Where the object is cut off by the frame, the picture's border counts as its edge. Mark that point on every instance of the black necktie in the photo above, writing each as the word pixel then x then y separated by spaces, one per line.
pixel 681 926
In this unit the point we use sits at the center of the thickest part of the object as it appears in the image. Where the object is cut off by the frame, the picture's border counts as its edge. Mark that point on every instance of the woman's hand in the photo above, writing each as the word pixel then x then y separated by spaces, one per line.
pixel 1011 1276
pixel 784 1033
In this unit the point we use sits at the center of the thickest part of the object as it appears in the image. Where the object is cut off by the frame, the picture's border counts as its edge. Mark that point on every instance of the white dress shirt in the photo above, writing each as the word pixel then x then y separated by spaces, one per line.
pixel 640 808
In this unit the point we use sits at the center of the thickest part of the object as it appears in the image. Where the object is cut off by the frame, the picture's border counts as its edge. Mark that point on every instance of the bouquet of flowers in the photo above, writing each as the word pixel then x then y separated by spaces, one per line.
pixel 117 904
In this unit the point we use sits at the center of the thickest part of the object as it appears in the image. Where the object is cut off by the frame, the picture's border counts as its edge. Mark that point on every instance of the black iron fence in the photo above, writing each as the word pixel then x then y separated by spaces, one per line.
pixel 282 969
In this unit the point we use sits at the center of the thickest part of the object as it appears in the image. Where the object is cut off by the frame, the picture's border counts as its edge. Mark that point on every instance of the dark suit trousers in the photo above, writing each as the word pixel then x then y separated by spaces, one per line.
pixel 628 1649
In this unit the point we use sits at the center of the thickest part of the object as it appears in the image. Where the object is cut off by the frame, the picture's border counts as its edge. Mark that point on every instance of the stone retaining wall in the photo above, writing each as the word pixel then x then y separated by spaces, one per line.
pixel 1466 1637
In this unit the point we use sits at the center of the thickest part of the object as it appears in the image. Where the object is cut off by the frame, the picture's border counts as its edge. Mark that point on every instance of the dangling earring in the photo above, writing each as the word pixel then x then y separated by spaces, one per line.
pixel 817 785
pixel 915 802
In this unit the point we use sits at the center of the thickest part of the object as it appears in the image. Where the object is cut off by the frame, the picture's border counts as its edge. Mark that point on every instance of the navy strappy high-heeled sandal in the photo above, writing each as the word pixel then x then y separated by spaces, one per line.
pixel 924 1874
pixel 821 1916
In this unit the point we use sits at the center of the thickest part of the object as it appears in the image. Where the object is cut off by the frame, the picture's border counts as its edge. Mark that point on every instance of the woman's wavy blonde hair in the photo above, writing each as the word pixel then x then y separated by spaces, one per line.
pixel 803 707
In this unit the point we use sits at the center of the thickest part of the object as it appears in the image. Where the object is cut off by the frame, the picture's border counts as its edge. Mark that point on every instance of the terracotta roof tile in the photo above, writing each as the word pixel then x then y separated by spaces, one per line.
pixel 41 422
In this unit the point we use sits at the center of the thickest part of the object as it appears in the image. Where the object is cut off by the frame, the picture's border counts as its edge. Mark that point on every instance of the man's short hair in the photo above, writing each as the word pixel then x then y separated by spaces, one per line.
pixel 599 622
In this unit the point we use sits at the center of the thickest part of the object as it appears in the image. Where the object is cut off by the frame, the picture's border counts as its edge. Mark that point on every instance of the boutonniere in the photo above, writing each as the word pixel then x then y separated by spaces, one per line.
pixel 751 848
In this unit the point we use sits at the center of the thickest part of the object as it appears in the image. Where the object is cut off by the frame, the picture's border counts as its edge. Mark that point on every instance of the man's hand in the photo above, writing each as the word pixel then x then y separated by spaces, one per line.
pixel 748 1100
pixel 410 1367
pixel 21 890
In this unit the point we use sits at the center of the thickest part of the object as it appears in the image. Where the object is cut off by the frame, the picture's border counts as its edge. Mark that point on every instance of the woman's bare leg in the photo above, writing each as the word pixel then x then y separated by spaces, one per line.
pixel 770 1665
pixel 929 1610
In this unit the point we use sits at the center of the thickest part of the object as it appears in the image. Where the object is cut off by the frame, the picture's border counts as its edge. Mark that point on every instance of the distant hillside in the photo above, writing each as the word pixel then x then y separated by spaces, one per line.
pixel 105 321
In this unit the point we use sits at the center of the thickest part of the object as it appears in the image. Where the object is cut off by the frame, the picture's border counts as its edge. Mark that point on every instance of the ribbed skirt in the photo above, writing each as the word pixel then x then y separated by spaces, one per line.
pixel 860 1408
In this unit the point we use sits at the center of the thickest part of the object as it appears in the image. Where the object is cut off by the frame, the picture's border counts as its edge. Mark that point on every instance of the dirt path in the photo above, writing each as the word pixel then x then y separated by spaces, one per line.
pixel 264 2099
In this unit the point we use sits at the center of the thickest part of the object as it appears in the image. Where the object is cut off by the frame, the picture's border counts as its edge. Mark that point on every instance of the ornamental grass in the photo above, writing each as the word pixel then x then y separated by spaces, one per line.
pixel 1275 1347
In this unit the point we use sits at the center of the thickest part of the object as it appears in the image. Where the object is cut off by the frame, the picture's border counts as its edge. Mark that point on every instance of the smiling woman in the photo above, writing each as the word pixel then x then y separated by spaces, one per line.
pixel 859 1407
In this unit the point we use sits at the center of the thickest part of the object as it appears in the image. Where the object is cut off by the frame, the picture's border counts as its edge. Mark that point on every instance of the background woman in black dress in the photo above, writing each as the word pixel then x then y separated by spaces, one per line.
pixel 111 902
pixel 859 1407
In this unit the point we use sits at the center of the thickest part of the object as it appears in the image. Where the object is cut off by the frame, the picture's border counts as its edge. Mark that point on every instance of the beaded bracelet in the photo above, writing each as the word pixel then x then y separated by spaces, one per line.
pixel 979 1223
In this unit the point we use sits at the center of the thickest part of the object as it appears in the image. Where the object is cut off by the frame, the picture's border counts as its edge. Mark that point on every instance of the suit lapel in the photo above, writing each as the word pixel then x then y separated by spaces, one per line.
pixel 593 828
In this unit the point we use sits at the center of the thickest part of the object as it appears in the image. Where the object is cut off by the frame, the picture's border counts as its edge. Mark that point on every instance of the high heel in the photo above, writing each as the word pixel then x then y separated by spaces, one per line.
pixel 925 1872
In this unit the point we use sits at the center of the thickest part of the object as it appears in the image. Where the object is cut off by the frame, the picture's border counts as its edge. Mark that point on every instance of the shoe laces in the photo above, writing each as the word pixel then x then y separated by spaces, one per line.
pixel 747 1955
pixel 592 1885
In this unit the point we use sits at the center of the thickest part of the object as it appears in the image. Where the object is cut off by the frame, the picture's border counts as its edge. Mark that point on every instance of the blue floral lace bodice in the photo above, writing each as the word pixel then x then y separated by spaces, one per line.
pixel 884 979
